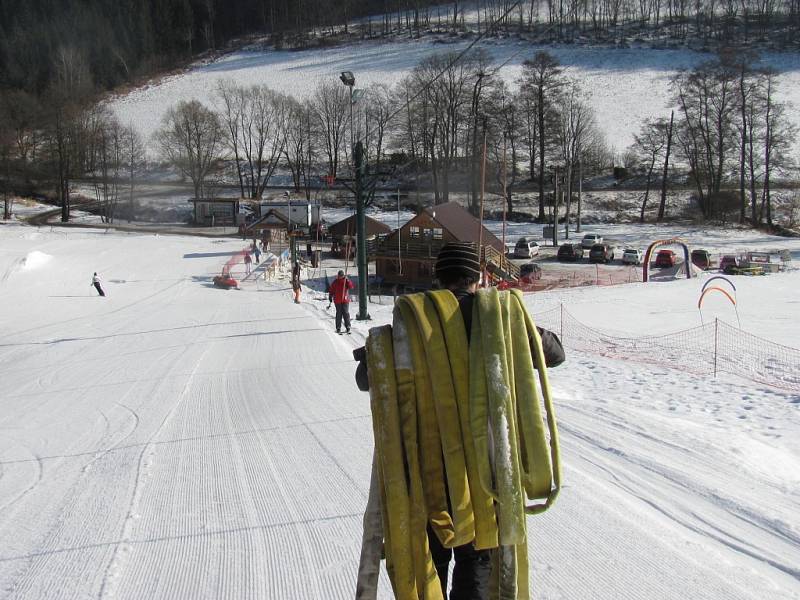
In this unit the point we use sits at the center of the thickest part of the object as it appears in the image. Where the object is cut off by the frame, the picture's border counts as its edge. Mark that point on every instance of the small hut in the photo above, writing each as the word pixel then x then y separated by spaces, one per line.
pixel 343 234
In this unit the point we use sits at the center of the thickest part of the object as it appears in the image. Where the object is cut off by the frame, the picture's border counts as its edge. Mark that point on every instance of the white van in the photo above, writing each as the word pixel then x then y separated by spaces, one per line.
pixel 526 248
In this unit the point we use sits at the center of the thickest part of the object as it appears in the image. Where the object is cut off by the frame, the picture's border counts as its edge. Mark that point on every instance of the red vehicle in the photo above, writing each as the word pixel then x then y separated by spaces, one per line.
pixel 665 258
pixel 225 281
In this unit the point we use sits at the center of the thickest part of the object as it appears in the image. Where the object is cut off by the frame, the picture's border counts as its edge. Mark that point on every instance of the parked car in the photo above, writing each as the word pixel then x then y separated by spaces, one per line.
pixel 570 252
pixel 665 258
pixel 601 253
pixel 590 239
pixel 526 248
pixel 530 271
pixel 728 262
pixel 632 256
pixel 702 259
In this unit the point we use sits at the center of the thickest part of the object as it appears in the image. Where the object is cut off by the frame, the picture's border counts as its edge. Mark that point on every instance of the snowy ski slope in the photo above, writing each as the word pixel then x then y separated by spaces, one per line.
pixel 626 86
pixel 174 440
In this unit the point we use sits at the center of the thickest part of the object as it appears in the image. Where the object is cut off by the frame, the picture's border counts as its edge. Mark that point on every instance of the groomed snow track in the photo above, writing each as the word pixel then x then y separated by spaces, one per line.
pixel 174 440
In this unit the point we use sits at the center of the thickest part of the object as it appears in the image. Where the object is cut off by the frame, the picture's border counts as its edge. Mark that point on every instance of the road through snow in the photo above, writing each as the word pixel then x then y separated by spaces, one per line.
pixel 174 440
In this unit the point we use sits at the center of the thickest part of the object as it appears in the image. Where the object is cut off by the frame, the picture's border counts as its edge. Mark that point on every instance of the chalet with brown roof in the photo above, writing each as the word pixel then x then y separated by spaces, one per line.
pixel 272 227
pixel 343 233
pixel 407 256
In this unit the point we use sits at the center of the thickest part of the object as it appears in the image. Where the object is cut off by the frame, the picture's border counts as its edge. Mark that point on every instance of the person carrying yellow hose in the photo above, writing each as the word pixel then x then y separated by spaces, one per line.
pixel 458 270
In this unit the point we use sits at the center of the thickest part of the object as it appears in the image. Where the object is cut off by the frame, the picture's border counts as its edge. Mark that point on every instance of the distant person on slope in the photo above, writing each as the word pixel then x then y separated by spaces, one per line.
pixel 247 262
pixel 96 284
pixel 339 294
pixel 296 285
pixel 257 252
pixel 458 269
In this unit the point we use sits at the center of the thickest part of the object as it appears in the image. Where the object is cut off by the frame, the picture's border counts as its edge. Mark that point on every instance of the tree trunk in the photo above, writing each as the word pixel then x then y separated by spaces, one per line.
pixel 647 188
pixel 743 154
pixel 662 205
pixel 541 154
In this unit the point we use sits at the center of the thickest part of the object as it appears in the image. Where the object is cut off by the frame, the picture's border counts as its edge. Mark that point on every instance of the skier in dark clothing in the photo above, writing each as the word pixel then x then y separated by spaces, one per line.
pixel 458 269
pixel 96 284
pixel 339 295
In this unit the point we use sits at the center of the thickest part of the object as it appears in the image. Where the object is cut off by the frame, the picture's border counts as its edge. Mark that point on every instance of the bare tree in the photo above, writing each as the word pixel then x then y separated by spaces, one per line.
pixel 300 150
pixel 446 85
pixel 232 101
pixel 665 173
pixel 190 139
pixel 707 101
pixel 331 102
pixel 542 78
pixel 649 146
pixel 109 148
pixel 6 146
pixel 777 141
pixel 575 126
pixel 503 139
pixel 67 98
pixel 380 105
pixel 254 123
pixel 134 157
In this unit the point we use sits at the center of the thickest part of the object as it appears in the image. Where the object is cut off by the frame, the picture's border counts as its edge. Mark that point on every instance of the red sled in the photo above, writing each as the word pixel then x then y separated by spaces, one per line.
pixel 225 282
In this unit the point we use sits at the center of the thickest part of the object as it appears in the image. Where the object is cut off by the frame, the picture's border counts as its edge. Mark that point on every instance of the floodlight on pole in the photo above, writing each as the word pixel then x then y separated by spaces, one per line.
pixel 357 148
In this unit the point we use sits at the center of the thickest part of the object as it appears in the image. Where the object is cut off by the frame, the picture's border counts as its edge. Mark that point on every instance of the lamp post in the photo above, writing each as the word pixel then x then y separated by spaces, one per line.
pixel 349 80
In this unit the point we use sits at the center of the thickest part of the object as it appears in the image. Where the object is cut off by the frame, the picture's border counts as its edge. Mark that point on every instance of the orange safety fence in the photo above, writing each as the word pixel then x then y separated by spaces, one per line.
pixel 705 350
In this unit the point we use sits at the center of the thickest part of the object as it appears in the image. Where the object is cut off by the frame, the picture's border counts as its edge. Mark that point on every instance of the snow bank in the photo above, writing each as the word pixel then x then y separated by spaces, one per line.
pixel 34 260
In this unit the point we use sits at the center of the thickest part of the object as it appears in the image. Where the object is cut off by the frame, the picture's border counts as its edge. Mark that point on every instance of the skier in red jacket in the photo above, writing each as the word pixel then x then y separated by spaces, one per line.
pixel 339 294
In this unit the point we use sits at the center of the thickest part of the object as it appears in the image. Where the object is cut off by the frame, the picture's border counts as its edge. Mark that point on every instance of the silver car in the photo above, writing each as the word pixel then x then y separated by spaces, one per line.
pixel 590 239
pixel 526 248
pixel 632 256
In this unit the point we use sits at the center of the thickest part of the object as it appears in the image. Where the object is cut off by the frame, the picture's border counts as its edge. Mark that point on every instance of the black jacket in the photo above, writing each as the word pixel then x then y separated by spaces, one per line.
pixel 553 350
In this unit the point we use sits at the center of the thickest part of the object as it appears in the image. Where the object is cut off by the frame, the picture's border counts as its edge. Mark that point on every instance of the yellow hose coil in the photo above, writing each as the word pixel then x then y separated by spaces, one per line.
pixel 460 437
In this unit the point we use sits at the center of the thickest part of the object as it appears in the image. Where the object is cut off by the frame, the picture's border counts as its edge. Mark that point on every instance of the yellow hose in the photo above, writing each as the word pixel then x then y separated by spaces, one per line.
pixel 459 433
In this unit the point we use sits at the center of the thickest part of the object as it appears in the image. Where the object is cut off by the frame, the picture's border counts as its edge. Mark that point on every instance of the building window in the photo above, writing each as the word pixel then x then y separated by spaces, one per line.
pixel 414 232
pixel 437 233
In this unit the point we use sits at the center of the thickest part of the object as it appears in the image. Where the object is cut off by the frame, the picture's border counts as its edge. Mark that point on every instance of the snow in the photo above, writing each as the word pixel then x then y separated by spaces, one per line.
pixel 626 85
pixel 34 260
pixel 175 440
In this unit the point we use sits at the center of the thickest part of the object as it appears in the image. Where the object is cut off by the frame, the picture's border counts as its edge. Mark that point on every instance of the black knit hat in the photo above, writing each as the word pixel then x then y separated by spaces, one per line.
pixel 458 259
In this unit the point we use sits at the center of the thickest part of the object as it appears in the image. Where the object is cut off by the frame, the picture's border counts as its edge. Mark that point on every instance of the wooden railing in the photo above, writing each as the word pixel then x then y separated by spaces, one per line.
pixel 503 268
pixel 380 246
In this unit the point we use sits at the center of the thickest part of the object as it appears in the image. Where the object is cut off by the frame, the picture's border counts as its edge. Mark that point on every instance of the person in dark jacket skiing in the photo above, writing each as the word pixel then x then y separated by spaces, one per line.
pixel 339 295
pixel 458 270
pixel 96 284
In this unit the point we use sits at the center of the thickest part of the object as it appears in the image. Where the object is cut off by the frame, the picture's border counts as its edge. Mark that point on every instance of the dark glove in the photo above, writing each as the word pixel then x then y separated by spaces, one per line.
pixel 362 377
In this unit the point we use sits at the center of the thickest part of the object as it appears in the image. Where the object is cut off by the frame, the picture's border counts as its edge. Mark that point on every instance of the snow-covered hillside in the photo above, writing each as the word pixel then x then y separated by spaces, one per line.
pixel 626 86
pixel 174 440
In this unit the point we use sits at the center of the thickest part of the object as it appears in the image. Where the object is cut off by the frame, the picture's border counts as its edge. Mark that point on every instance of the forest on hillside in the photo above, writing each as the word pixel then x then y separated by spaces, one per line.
pixel 56 60
pixel 118 41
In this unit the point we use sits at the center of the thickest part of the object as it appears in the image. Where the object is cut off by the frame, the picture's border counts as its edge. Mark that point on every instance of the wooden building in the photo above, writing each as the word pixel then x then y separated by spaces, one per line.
pixel 408 256
pixel 343 234
pixel 272 227
pixel 216 212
